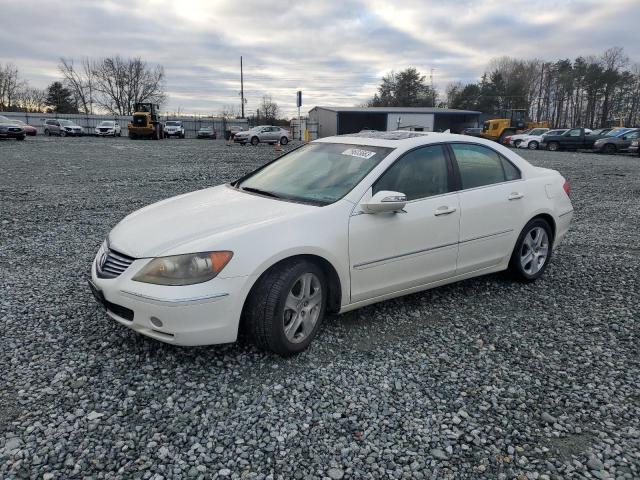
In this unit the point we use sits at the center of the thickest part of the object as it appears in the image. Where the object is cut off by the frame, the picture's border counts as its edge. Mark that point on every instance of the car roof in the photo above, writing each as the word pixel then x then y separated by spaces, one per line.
pixel 402 139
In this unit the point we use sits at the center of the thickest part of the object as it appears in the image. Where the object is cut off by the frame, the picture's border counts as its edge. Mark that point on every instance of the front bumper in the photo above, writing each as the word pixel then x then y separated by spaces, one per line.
pixel 202 314
pixel 241 139
pixel 633 149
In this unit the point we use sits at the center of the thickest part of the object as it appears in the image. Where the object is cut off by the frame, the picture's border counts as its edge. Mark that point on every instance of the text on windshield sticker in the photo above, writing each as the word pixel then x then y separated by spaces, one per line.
pixel 358 152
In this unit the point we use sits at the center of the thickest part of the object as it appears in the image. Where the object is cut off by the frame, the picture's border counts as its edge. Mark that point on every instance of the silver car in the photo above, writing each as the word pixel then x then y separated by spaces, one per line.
pixel 263 133
pixel 62 127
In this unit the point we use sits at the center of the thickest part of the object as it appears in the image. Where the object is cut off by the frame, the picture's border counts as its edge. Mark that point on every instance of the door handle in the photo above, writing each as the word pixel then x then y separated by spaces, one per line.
pixel 516 196
pixel 444 210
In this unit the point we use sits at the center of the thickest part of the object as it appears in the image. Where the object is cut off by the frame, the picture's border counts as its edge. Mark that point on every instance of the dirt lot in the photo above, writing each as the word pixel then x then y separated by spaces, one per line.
pixel 483 379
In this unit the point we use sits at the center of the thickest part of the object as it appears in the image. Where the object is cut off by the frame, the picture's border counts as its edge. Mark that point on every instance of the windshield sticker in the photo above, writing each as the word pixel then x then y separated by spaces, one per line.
pixel 358 152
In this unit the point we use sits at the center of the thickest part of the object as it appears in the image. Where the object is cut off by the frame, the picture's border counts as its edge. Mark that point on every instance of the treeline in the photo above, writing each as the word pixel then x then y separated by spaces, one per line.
pixel 589 91
pixel 111 84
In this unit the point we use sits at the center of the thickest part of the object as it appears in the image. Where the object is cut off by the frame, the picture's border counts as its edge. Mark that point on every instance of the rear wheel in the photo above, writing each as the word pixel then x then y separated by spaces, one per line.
pixel 286 307
pixel 609 148
pixel 532 252
pixel 533 145
pixel 255 141
pixel 553 146
pixel 63 133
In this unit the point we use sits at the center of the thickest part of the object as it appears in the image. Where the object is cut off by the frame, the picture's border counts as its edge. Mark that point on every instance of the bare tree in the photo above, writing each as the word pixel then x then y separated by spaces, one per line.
pixel 80 81
pixel 121 83
pixel 32 99
pixel 10 86
pixel 269 109
pixel 229 111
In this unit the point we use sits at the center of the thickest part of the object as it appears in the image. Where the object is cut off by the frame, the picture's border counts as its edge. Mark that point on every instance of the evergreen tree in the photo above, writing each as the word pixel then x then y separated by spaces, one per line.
pixel 60 99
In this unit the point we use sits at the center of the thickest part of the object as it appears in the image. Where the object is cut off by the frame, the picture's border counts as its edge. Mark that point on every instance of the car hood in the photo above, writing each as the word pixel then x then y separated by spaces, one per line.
pixel 163 227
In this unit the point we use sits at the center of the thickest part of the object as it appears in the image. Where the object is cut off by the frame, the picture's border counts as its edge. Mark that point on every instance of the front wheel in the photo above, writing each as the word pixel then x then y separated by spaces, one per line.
pixel 284 141
pixel 553 146
pixel 63 133
pixel 533 145
pixel 20 138
pixel 609 148
pixel 532 252
pixel 517 143
pixel 286 307
pixel 255 141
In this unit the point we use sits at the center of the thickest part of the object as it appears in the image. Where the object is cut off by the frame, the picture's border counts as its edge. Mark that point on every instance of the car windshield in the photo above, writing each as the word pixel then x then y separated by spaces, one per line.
pixel 173 124
pixel 66 123
pixel 205 129
pixel 320 173
pixel 106 124
pixel 618 132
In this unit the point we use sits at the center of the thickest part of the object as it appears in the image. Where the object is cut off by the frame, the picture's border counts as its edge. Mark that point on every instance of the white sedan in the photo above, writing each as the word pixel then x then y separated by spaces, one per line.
pixel 334 225
pixel 532 142
pixel 515 140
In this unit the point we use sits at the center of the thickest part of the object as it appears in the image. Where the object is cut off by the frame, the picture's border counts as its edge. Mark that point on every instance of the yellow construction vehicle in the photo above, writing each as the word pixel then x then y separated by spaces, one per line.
pixel 146 122
pixel 499 128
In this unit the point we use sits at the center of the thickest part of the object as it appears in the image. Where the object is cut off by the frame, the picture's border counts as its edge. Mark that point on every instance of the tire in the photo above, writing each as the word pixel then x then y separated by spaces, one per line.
pixel 278 300
pixel 609 148
pixel 47 133
pixel 533 145
pixel 284 141
pixel 20 138
pixel 63 133
pixel 517 143
pixel 553 146
pixel 532 252
pixel 255 141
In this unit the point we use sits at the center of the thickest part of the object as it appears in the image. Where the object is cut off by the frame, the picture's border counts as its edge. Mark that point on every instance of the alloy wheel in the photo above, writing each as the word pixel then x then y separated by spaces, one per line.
pixel 534 250
pixel 302 307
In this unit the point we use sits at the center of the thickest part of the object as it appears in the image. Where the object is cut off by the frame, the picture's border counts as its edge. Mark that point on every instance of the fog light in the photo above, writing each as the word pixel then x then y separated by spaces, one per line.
pixel 156 322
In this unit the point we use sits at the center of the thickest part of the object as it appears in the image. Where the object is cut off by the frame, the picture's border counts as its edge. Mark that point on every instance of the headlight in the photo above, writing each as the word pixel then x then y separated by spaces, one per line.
pixel 184 269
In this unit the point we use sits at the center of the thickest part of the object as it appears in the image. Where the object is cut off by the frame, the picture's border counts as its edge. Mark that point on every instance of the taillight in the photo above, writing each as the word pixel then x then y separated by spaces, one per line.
pixel 566 188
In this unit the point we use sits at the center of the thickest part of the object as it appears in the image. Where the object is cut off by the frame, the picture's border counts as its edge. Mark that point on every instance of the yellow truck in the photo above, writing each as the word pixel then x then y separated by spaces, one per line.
pixel 146 122
pixel 499 128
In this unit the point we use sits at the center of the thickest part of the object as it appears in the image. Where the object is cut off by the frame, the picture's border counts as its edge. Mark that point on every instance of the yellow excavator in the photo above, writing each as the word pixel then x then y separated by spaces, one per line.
pixel 146 122
pixel 499 128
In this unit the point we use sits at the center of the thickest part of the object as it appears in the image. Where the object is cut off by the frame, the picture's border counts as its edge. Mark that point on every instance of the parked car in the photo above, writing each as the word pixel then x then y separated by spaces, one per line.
pixel 108 128
pixel 472 132
pixel 532 142
pixel 573 139
pixel 340 224
pixel 634 147
pixel 10 129
pixel 263 133
pixel 515 140
pixel 207 132
pixel 61 127
pixel 618 140
pixel 174 128
pixel 28 129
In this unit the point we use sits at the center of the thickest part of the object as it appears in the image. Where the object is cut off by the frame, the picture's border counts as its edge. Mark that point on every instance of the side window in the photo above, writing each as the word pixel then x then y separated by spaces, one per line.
pixel 632 135
pixel 478 165
pixel 574 133
pixel 419 174
pixel 511 172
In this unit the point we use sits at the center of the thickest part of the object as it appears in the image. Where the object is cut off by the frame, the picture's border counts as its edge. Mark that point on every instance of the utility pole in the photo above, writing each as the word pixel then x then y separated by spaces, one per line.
pixel 241 88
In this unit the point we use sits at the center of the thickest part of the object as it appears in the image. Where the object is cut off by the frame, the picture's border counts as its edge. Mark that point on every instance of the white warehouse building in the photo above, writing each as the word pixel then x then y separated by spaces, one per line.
pixel 343 120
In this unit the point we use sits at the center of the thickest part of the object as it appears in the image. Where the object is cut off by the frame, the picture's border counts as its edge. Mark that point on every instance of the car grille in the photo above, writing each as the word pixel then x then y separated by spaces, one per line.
pixel 15 130
pixel 113 264
pixel 104 129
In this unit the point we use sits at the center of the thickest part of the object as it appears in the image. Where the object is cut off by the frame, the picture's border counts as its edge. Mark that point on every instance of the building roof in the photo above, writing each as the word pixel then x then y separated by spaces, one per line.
pixel 446 111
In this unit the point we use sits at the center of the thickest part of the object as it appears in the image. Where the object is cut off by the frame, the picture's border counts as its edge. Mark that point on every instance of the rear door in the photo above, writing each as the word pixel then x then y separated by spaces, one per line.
pixel 391 252
pixel 491 204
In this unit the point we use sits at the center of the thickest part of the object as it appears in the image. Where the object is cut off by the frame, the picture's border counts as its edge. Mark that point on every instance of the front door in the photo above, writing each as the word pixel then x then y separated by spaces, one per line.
pixel 390 252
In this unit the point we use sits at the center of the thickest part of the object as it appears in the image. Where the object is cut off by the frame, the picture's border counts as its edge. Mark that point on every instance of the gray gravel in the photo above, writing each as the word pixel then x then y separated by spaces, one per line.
pixel 482 379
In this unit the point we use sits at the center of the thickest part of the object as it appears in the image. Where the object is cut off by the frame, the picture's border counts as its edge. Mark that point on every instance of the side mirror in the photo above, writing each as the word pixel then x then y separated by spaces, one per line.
pixel 384 201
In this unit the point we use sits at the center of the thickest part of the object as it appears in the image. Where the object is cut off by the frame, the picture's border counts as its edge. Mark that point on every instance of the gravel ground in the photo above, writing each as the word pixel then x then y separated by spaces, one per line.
pixel 481 379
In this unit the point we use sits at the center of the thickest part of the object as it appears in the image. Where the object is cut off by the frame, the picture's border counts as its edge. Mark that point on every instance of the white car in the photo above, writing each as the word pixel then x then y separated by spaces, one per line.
pixel 515 140
pixel 334 225
pixel 263 133
pixel 174 128
pixel 108 128
pixel 532 142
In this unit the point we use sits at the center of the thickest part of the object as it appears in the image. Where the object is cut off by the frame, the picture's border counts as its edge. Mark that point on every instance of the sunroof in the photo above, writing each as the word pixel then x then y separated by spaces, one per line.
pixel 394 135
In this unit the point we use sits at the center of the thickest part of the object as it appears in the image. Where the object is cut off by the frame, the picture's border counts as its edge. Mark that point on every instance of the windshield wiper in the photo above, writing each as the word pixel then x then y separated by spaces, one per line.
pixel 260 192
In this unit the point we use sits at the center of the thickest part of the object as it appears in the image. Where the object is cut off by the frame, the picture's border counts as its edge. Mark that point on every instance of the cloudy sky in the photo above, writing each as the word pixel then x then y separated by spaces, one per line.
pixel 334 51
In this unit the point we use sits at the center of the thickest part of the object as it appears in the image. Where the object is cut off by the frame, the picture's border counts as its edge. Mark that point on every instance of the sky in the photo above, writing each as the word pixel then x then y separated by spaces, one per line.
pixel 334 51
